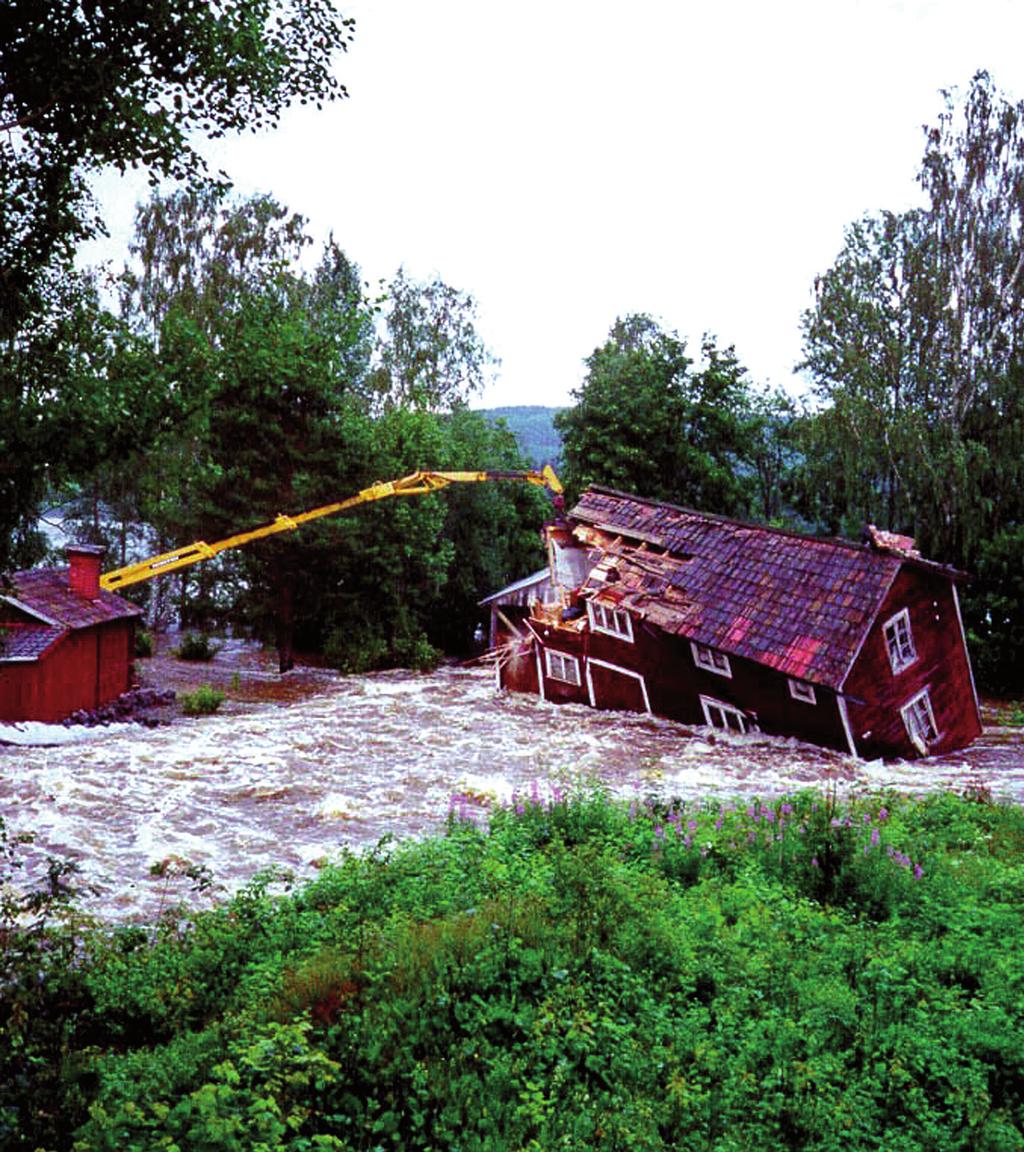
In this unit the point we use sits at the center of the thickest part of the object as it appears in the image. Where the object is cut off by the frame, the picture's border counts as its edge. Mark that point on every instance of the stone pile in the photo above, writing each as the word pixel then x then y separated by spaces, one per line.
pixel 131 706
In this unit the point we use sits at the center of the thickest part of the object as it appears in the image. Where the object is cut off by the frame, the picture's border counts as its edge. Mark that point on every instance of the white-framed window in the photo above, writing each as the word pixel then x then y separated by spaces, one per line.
pixel 801 690
pixel 562 667
pixel 919 720
pixel 710 659
pixel 610 620
pixel 899 641
pixel 718 714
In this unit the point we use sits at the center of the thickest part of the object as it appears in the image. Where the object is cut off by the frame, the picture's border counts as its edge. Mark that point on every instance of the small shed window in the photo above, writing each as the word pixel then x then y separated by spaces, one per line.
pixel 562 667
pixel 801 690
pixel 899 641
pixel 920 720
pixel 610 620
pixel 718 714
pixel 710 659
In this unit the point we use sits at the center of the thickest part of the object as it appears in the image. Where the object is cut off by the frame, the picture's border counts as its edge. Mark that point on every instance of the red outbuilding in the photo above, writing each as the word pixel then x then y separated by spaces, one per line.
pixel 65 644
pixel 711 621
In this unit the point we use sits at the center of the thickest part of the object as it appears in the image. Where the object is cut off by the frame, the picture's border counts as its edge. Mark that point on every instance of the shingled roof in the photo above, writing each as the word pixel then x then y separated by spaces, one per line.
pixel 799 604
pixel 20 643
pixel 45 594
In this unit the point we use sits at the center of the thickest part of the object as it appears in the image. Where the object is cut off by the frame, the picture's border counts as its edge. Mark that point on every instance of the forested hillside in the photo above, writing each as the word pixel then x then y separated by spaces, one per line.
pixel 534 429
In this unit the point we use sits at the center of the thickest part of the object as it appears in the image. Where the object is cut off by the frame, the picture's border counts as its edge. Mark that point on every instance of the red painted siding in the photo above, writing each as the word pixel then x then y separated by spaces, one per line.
pixel 875 693
pixel 88 667
pixel 674 683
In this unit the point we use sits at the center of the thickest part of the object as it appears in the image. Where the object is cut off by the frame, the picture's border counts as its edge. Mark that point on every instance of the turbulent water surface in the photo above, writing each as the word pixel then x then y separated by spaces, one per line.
pixel 299 768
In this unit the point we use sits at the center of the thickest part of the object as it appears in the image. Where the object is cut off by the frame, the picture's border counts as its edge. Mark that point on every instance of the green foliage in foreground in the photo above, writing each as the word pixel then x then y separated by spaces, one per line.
pixel 584 974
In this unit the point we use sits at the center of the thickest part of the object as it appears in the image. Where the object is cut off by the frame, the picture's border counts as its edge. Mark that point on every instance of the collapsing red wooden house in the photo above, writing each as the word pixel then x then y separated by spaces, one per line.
pixel 65 645
pixel 740 627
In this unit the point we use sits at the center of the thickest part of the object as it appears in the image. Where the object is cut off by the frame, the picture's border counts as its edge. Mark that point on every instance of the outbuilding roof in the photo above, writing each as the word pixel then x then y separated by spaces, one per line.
pixel 21 643
pixel 45 594
pixel 798 604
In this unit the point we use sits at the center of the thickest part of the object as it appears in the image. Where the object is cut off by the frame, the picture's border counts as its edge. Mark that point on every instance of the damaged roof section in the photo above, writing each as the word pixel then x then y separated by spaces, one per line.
pixel 797 604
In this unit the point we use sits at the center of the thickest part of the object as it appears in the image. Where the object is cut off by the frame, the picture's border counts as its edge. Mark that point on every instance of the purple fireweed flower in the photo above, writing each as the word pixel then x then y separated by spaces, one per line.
pixel 752 812
pixel 687 841
pixel 814 862
pixel 692 825
pixel 659 832
pixel 836 822
pixel 786 809
pixel 875 837
pixel 534 793
pixel 918 871
pixel 556 794
pixel 883 814
pixel 769 814
pixel 632 810
pixel 718 824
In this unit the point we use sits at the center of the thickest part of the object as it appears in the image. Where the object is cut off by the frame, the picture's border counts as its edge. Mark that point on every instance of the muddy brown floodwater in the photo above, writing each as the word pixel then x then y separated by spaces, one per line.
pixel 296 768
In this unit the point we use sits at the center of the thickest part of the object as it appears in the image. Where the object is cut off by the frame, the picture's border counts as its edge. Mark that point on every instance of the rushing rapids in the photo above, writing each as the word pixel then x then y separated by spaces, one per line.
pixel 295 769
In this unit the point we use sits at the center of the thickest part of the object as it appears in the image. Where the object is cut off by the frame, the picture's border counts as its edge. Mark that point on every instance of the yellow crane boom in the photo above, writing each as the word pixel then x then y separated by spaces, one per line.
pixel 416 484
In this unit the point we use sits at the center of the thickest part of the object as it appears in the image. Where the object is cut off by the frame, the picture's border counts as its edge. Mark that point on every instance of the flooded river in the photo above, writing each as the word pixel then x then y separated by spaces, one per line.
pixel 294 769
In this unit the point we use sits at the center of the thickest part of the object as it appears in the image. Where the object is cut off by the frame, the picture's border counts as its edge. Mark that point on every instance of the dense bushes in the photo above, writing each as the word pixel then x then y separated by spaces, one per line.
pixel 581 974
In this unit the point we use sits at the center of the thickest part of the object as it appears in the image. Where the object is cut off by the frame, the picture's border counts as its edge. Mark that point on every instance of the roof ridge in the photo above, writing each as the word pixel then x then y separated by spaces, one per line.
pixel 862 549
pixel 732 521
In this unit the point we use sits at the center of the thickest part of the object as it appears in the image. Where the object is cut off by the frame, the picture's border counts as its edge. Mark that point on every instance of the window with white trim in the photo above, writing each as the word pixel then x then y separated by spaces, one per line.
pixel 610 620
pixel 718 714
pixel 919 720
pixel 801 690
pixel 710 659
pixel 562 667
pixel 899 641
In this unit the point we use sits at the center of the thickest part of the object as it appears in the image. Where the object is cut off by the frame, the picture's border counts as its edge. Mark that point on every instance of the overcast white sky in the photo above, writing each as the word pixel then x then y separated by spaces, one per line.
pixel 571 161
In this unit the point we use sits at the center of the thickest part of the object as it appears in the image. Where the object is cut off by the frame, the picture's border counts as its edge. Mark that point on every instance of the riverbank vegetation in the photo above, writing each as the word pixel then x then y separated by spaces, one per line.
pixel 558 972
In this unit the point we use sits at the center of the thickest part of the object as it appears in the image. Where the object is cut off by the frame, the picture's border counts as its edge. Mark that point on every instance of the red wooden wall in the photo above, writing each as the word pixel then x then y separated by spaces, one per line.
pixel 875 694
pixel 84 669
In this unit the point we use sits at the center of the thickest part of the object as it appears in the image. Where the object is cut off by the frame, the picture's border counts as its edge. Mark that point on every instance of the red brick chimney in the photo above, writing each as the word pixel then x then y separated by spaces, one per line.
pixel 85 562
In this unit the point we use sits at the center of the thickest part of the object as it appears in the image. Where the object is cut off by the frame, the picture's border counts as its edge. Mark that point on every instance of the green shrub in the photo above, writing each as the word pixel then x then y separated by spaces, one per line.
pixel 143 643
pixel 202 702
pixel 196 646
pixel 565 971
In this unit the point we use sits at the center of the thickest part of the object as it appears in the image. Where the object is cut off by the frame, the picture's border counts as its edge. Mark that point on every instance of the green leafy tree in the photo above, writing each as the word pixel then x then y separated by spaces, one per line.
pixel 493 528
pixel 83 86
pixel 132 84
pixel 76 393
pixel 915 341
pixel 266 370
pixel 431 355
pixel 645 421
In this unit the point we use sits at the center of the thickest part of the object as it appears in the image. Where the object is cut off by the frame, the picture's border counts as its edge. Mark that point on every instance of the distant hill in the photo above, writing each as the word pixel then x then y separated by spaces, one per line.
pixel 534 428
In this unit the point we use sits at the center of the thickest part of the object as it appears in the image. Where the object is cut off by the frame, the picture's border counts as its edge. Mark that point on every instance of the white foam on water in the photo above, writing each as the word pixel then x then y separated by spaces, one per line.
pixel 365 757
pixel 34 734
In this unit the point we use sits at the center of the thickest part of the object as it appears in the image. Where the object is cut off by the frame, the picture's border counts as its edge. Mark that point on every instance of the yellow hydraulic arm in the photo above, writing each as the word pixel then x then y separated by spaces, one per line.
pixel 416 484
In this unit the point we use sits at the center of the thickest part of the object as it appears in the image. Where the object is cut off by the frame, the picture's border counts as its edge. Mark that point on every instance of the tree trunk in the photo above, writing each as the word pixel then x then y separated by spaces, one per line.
pixel 285 623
